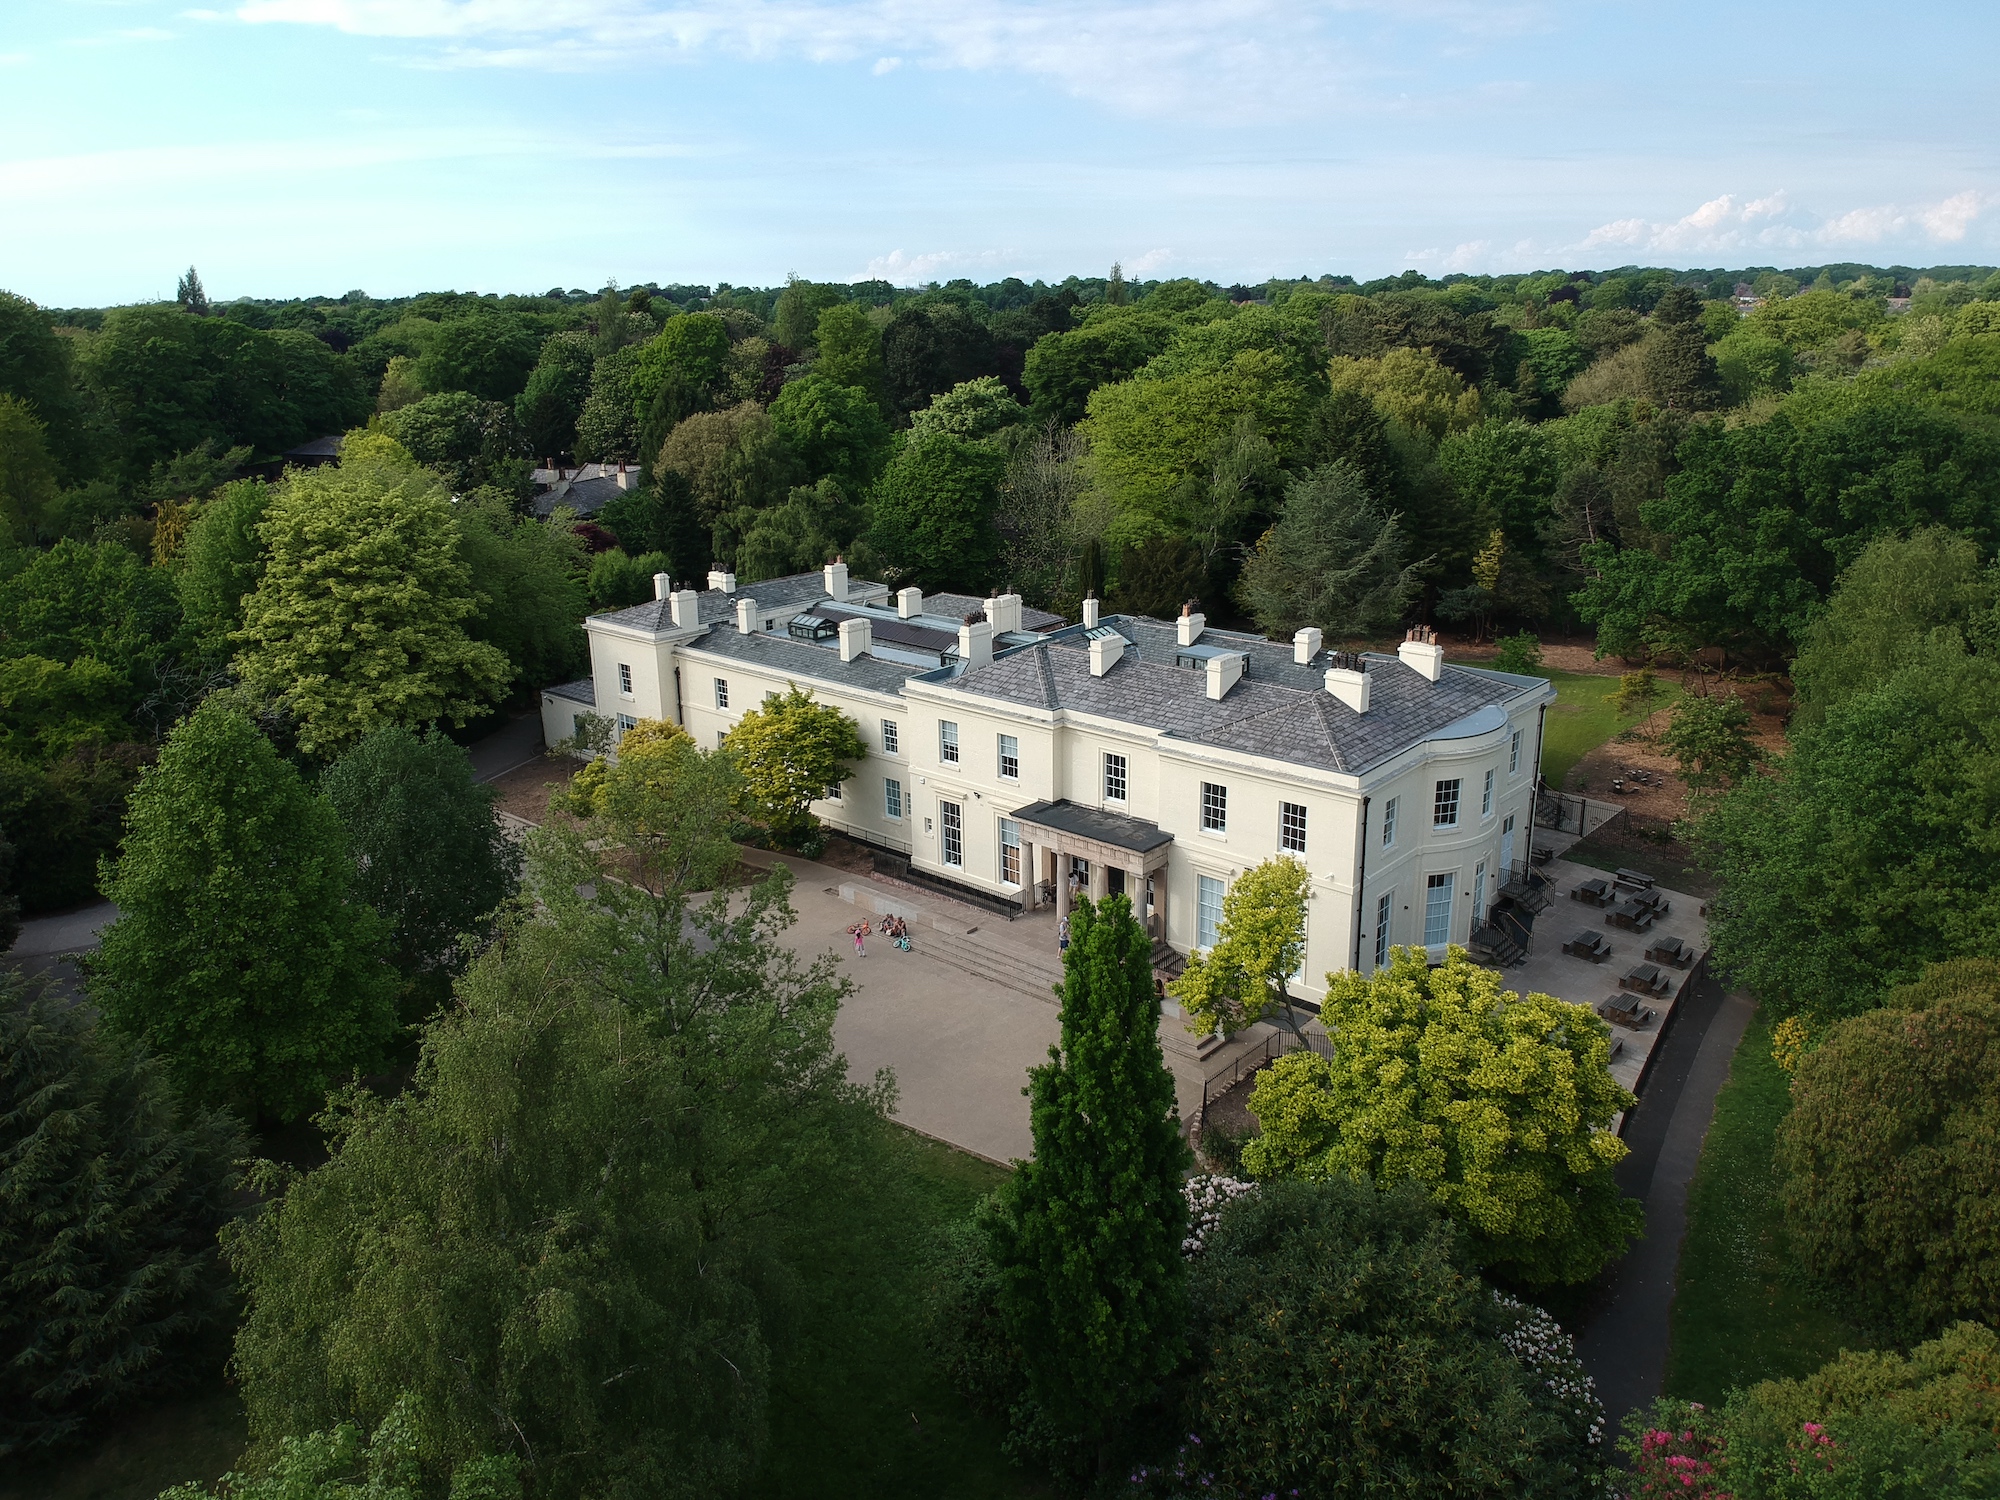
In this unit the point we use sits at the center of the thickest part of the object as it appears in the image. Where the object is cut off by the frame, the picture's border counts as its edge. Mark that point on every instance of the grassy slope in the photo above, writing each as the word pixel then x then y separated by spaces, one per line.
pixel 1741 1314
pixel 1581 719
pixel 856 1409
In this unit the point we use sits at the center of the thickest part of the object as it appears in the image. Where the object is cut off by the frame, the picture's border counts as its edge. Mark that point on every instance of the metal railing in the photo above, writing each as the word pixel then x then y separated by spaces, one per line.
pixel 1276 1045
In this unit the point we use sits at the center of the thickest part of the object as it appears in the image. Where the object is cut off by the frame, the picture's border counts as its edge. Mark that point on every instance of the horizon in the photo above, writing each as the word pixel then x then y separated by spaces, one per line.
pixel 503 145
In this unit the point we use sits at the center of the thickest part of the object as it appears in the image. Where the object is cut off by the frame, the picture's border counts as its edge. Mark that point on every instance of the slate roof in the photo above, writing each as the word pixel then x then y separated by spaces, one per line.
pixel 716 607
pixel 958 606
pixel 1110 828
pixel 583 690
pixel 1279 709
pixel 779 653
pixel 584 496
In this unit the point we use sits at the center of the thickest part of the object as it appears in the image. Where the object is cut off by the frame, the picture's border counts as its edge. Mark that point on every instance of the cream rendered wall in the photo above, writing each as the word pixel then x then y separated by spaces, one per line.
pixel 651 661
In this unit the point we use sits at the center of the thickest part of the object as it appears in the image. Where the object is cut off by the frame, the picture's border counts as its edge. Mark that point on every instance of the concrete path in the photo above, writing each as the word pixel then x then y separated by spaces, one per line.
pixel 514 744
pixel 1624 1345
pixel 63 932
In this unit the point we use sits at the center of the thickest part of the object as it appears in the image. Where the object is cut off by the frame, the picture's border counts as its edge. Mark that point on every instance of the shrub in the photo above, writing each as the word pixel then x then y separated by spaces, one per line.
pixel 1520 653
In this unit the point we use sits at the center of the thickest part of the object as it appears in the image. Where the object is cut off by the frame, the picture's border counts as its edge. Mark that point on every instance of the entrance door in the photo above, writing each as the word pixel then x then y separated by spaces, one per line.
pixel 1506 848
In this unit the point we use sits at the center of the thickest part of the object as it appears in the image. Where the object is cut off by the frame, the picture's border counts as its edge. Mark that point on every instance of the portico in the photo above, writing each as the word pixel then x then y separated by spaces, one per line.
pixel 1119 853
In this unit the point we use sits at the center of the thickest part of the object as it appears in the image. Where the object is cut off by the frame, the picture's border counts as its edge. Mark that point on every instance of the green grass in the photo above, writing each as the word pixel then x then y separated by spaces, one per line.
pixel 1742 1313
pixel 1582 718
pixel 856 1408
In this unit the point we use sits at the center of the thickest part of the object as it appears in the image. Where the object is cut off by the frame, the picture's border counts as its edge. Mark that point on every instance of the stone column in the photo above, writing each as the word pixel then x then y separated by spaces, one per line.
pixel 1160 902
pixel 1062 882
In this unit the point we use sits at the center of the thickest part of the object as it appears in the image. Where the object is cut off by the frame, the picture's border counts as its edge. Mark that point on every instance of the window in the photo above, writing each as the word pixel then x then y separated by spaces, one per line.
pixel 833 791
pixel 1214 808
pixel 1114 777
pixel 1444 808
pixel 1437 910
pixel 722 692
pixel 947 742
pixel 1389 822
pixel 1292 827
pixel 1479 892
pixel 951 821
pixel 1010 851
pixel 1010 758
pixel 625 722
pixel 1207 911
pixel 1384 909
pixel 1514 754
pixel 722 739
pixel 890 740
pixel 892 797
pixel 625 678
pixel 1486 798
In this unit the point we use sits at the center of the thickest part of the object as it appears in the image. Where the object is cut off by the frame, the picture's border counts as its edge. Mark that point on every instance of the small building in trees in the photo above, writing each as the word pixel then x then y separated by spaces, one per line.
pixel 584 490
pixel 1013 756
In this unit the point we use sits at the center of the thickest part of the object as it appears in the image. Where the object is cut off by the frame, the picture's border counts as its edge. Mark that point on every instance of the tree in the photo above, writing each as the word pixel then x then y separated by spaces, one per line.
pixel 1342 1348
pixel 679 372
pixel 1063 368
pixel 36 370
pixel 487 354
pixel 62 817
pixel 1259 944
pixel 528 578
pixel 1520 654
pixel 834 431
pixel 933 512
pixel 661 517
pixel 812 525
pixel 795 317
pixel 188 293
pixel 1412 388
pixel 241 952
pixel 850 351
pixel 1709 739
pixel 607 428
pixel 1499 1104
pixel 469 441
pixel 1508 473
pixel 617 581
pixel 790 752
pixel 401 386
pixel 1637 693
pixel 1678 365
pixel 221 561
pixel 337 1465
pixel 1862 857
pixel 735 463
pixel 1041 530
pixel 1885 611
pixel 551 402
pixel 600 1300
pixel 1086 1234
pixel 430 855
pixel 27 473
pixel 360 618
pixel 1889 1153
pixel 110 1198
pixel 972 410
pixel 1335 559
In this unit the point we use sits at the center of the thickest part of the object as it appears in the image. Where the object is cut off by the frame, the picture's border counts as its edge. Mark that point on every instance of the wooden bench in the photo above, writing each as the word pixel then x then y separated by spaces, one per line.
pixel 1672 951
pixel 1592 893
pixel 1588 945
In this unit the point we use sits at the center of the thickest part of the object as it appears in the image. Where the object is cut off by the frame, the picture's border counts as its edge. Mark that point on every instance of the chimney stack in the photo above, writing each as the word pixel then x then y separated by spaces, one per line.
pixel 686 605
pixel 1105 652
pixel 1347 680
pixel 1224 672
pixel 662 585
pixel 1306 644
pixel 1004 610
pixel 626 479
pixel 1092 611
pixel 835 575
pixel 1191 624
pixel 975 642
pixel 1421 652
pixel 909 603
pixel 746 616
pixel 856 638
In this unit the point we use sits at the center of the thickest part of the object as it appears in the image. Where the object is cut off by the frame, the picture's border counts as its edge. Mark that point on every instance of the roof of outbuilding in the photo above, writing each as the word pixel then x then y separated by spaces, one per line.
pixel 1278 709
pixel 583 690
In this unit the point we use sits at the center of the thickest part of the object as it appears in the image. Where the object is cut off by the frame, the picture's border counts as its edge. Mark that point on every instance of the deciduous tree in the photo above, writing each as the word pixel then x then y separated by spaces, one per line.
pixel 241 953
pixel 790 751
pixel 933 512
pixel 1260 943
pixel 1499 1104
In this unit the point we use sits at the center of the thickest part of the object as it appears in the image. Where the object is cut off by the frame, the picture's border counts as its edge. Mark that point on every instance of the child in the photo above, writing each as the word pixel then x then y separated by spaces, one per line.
pixel 860 931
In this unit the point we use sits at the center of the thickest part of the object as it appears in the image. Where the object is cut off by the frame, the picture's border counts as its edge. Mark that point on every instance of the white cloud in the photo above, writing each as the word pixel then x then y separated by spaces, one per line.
pixel 1150 262
pixel 887 65
pixel 1221 58
pixel 903 269
pixel 1772 223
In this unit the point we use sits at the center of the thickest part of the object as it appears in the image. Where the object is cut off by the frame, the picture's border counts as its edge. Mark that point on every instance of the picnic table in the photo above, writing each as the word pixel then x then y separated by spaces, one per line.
pixel 1633 916
pixel 1590 945
pixel 1625 1010
pixel 1647 979
pixel 1592 893
pixel 1634 880
pixel 1671 950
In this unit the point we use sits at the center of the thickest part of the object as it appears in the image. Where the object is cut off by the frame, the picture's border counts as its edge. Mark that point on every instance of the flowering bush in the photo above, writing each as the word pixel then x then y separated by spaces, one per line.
pixel 1207 1196
pixel 1675 1449
pixel 1548 1354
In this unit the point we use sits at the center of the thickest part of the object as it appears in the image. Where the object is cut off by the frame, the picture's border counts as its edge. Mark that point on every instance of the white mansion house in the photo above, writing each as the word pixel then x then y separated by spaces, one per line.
pixel 1008 750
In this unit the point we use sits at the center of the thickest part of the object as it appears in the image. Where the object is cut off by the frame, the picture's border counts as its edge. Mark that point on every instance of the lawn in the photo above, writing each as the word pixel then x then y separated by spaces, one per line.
pixel 1582 718
pixel 855 1406
pixel 1741 1313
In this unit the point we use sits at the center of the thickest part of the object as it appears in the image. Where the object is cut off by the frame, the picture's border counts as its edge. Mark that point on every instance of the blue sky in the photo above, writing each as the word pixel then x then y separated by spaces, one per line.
pixel 290 147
